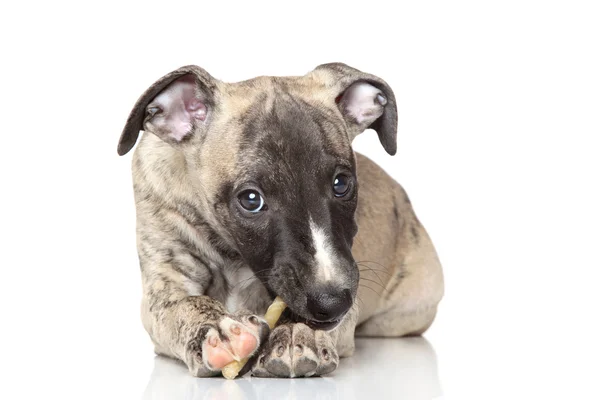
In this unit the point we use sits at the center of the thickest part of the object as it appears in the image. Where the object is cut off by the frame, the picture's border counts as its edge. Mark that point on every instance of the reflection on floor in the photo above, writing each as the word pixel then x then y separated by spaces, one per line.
pixel 380 369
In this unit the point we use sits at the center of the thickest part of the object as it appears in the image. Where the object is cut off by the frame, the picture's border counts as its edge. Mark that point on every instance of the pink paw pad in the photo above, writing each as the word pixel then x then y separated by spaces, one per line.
pixel 241 341
pixel 243 338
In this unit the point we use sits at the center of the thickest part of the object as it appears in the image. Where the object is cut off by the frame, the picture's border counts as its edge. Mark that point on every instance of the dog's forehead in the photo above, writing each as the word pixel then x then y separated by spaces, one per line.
pixel 287 116
pixel 304 87
pixel 273 127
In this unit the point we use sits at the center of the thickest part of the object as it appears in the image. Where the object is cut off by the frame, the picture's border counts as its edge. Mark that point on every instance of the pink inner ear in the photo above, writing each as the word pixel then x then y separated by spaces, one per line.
pixel 180 108
pixel 197 109
pixel 360 101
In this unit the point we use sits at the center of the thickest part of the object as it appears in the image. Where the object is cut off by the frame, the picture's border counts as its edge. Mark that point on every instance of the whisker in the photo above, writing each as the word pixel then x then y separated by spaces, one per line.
pixel 376 273
pixel 359 299
pixel 250 293
pixel 371 262
pixel 238 267
pixel 372 271
pixel 377 283
pixel 255 275
pixel 368 287
pixel 375 270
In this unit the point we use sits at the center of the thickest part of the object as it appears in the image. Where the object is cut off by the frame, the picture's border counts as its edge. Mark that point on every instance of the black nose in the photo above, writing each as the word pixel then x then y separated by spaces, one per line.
pixel 329 304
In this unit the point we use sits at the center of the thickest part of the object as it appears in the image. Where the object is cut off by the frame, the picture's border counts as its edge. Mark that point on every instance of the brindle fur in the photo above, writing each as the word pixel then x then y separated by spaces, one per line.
pixel 192 271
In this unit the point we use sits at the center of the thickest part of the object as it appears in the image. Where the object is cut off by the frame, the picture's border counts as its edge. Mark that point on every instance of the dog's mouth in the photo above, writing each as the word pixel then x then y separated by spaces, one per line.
pixel 323 325
pixel 317 325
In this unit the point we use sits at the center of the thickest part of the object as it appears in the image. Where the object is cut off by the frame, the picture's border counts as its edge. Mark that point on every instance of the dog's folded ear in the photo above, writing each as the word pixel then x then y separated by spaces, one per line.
pixel 364 100
pixel 172 108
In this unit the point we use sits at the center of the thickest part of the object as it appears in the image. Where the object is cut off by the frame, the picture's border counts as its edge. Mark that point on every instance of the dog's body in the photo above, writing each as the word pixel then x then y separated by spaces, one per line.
pixel 234 206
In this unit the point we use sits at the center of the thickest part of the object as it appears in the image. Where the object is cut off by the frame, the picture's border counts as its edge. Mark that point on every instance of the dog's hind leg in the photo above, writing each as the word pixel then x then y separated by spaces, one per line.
pixel 407 303
pixel 397 323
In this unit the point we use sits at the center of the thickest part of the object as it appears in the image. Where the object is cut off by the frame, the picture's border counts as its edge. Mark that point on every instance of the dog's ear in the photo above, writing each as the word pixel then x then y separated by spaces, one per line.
pixel 364 100
pixel 172 108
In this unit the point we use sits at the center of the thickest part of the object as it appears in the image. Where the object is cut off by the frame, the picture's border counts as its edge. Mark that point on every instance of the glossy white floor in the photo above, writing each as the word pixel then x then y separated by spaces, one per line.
pixel 381 368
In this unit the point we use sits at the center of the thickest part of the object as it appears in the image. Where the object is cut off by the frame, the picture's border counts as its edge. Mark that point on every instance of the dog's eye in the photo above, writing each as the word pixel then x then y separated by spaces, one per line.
pixel 252 201
pixel 341 185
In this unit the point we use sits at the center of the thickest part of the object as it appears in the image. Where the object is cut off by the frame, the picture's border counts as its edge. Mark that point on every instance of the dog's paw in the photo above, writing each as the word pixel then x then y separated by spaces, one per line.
pixel 216 345
pixel 295 350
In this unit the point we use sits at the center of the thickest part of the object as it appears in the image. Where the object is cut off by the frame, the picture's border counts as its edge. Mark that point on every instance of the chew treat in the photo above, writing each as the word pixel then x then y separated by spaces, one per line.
pixel 231 370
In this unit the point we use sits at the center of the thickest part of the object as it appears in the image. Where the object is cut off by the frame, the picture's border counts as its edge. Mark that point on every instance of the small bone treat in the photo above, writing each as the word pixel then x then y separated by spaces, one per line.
pixel 231 370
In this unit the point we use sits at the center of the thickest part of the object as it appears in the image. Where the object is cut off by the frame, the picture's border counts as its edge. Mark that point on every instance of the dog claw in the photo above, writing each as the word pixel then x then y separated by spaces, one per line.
pixel 280 351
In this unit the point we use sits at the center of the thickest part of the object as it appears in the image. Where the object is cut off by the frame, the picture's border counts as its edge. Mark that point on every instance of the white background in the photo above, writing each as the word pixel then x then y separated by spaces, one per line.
pixel 499 108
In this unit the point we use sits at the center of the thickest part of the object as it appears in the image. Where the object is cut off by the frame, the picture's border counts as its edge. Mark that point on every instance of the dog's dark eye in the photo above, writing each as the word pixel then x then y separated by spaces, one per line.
pixel 341 185
pixel 252 201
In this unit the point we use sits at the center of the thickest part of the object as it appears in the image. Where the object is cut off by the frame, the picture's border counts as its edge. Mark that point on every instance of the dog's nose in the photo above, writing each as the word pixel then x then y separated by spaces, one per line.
pixel 327 304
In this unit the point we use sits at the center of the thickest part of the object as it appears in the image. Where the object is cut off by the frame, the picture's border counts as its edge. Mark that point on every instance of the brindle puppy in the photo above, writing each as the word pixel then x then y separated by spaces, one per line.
pixel 249 190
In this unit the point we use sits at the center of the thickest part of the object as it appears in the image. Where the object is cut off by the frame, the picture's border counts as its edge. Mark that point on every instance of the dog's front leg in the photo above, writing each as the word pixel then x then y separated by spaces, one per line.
pixel 295 350
pixel 197 329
